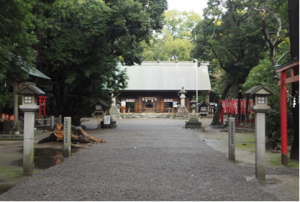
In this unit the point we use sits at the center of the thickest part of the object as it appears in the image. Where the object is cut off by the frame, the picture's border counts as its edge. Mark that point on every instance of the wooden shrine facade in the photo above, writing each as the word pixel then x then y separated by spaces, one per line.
pixel 153 86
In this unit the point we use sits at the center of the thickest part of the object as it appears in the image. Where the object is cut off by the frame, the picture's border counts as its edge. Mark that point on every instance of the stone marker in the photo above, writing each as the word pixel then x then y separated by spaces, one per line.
pixel 28 148
pixel 59 118
pixel 231 138
pixel 67 136
pixel 260 146
pixel 51 122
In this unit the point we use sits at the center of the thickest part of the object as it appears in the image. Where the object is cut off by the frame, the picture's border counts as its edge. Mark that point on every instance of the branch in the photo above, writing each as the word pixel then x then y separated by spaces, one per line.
pixel 279 28
pixel 282 56
pixel 215 53
pixel 263 29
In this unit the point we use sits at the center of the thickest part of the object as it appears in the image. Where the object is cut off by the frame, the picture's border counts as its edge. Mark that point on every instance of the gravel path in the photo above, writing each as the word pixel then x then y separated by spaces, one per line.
pixel 144 159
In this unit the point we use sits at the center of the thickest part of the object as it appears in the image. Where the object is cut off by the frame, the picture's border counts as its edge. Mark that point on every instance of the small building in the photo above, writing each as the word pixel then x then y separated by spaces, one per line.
pixel 153 86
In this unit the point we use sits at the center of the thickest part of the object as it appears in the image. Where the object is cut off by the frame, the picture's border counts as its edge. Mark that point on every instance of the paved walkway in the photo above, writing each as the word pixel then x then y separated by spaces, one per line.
pixel 146 159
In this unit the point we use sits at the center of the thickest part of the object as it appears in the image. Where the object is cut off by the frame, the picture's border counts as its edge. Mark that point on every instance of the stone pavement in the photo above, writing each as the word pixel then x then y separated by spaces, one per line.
pixel 154 159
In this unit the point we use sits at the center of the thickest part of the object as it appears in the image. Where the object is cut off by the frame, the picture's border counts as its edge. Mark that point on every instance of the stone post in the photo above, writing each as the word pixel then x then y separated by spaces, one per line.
pixel 67 136
pixel 98 121
pixel 231 138
pixel 59 118
pixel 203 123
pixel 51 122
pixel 28 147
pixel 260 146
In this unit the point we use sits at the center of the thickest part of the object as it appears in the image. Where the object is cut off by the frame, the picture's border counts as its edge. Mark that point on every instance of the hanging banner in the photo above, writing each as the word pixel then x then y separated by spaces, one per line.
pixel 230 106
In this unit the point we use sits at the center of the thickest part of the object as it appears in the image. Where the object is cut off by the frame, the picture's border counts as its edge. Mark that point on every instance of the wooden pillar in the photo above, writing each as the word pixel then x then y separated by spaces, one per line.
pixel 140 105
pixel 158 105
pixel 283 120
pixel 187 103
pixel 136 104
pixel 162 105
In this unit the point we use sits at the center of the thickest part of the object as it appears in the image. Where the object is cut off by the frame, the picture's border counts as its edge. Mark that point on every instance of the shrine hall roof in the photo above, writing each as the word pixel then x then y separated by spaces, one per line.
pixel 167 76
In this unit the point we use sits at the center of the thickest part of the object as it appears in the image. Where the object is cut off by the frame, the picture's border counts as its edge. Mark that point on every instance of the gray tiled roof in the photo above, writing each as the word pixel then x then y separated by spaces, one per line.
pixel 167 76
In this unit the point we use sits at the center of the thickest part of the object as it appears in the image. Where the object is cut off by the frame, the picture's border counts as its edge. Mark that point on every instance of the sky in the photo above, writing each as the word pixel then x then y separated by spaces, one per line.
pixel 188 5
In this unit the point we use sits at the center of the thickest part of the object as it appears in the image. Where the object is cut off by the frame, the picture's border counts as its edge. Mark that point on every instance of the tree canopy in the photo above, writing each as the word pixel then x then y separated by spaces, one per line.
pixel 175 40
pixel 82 42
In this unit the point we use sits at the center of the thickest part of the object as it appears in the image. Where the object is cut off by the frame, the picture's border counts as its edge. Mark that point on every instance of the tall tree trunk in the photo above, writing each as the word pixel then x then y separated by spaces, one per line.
pixel 293 10
pixel 217 114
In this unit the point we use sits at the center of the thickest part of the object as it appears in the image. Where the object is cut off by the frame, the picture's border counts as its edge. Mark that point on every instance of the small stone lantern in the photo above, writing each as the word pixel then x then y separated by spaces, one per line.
pixel 260 94
pixel 29 97
pixel 99 107
pixel 203 108
pixel 29 93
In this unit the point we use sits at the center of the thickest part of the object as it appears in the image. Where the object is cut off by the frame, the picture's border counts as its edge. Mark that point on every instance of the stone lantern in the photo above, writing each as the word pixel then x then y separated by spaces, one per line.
pixel 113 111
pixel 182 93
pixel 182 112
pixel 193 104
pixel 29 93
pixel 260 94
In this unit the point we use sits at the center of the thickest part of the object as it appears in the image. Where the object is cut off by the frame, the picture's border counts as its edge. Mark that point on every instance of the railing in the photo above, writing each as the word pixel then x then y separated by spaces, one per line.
pixel 45 123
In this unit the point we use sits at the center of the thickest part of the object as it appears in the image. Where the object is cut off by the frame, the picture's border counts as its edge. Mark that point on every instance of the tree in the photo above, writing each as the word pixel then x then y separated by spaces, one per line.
pixel 16 41
pixel 174 43
pixel 230 35
pixel 82 41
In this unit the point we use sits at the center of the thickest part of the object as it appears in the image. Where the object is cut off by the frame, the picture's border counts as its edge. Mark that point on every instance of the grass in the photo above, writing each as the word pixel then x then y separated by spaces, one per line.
pixel 246 141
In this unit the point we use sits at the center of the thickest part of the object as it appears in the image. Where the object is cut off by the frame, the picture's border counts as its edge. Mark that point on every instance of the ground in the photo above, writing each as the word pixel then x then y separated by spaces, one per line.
pixel 284 187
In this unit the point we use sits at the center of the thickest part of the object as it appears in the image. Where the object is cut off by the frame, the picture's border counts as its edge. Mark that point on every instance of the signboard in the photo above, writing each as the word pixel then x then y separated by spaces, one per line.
pixel 107 119
pixel 123 103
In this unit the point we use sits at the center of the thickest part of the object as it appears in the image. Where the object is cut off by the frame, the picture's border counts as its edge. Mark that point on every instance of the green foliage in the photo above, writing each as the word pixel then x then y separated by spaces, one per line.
pixel 16 44
pixel 83 42
pixel 231 37
pixel 175 40
pixel 16 38
pixel 265 72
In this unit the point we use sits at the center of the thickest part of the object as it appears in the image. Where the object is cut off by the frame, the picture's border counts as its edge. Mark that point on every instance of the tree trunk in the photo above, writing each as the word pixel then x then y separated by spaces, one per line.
pixel 293 10
pixel 217 114
pixel 77 135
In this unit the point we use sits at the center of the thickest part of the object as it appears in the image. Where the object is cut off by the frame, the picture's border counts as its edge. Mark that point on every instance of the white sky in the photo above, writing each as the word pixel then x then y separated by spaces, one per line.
pixel 188 5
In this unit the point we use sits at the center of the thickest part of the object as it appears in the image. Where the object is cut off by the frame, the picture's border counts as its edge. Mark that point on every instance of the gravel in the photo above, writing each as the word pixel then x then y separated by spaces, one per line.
pixel 145 159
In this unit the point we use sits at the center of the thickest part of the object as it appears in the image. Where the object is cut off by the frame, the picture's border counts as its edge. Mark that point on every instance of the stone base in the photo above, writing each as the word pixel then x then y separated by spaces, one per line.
pixel 114 113
pixel 193 125
pixel 193 118
pixel 182 113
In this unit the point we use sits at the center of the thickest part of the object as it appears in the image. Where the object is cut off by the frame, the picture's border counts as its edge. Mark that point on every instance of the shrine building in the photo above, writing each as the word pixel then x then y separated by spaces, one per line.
pixel 153 86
